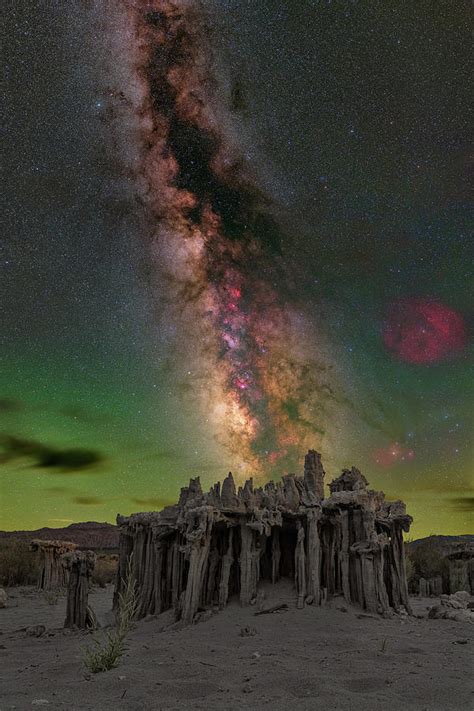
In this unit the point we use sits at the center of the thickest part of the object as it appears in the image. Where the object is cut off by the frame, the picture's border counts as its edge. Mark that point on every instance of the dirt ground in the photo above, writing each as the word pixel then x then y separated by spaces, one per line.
pixel 316 658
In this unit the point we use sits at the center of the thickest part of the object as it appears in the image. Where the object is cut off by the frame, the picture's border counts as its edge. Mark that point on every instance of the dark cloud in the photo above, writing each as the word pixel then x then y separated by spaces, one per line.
pixel 8 404
pixel 75 412
pixel 447 487
pixel 87 500
pixel 164 454
pixel 14 447
pixel 156 503
pixel 153 455
pixel 46 456
pixel 463 504
pixel 82 414
pixel 68 458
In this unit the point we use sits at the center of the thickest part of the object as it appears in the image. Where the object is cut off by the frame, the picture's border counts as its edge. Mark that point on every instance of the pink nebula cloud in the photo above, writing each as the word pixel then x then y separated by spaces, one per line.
pixel 392 454
pixel 423 331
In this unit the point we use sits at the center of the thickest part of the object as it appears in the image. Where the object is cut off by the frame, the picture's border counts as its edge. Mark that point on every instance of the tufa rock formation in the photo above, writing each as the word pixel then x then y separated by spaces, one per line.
pixel 80 565
pixel 455 567
pixel 453 607
pixel 51 572
pixel 211 546
pixel 461 569
pixel 430 587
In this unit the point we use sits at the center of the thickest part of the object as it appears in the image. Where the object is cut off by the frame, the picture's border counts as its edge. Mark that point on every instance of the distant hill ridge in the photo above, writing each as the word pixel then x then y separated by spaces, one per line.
pixel 90 534
pixel 105 536
pixel 445 544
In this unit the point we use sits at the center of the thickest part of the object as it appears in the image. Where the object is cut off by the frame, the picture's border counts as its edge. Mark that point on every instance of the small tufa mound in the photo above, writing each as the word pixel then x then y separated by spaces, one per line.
pixel 80 565
pixel 247 632
pixel 35 630
pixel 52 574
pixel 453 607
pixel 350 480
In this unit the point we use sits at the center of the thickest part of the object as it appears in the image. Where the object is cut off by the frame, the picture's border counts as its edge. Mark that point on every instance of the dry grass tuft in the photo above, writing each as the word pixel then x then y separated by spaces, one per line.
pixel 51 597
pixel 107 654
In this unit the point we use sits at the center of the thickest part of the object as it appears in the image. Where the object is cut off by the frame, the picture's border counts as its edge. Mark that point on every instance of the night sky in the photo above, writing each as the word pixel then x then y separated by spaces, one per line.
pixel 229 239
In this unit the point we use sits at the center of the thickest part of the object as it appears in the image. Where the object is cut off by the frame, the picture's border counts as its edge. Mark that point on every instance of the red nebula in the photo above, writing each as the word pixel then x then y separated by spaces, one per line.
pixel 423 331
pixel 231 341
pixel 241 383
pixel 392 454
pixel 273 457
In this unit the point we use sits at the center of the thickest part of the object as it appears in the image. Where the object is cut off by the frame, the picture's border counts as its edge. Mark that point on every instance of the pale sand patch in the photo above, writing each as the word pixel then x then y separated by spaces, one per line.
pixel 315 658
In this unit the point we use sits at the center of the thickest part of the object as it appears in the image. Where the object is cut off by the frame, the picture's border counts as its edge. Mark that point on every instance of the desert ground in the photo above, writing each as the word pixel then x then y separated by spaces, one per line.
pixel 332 657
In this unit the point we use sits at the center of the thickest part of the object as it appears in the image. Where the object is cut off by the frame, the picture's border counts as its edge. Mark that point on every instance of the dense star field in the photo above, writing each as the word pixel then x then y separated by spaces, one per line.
pixel 235 231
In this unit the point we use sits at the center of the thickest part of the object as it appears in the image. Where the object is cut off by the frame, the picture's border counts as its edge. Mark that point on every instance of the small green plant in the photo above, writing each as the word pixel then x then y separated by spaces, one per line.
pixel 91 618
pixel 107 653
pixel 384 644
pixel 105 656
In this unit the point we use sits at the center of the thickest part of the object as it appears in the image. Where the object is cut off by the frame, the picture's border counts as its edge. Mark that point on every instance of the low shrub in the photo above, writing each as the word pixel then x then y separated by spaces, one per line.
pixel 18 564
pixel 425 560
pixel 105 570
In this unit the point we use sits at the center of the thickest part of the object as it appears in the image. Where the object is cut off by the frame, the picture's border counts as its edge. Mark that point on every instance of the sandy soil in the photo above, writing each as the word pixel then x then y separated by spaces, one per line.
pixel 316 658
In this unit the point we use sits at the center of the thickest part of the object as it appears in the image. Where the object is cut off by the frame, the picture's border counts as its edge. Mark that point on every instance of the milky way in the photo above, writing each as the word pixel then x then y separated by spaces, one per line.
pixel 260 372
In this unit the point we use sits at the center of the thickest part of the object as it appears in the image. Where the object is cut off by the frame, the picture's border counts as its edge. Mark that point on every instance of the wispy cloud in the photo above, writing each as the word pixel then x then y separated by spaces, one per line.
pixel 46 456
pixel 463 504
pixel 155 503
pixel 8 404
pixel 58 490
pixel 87 500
